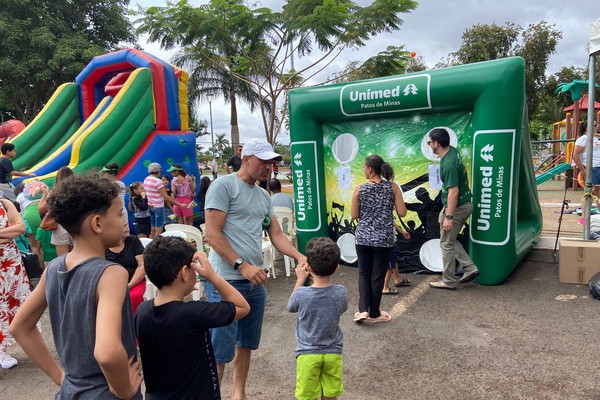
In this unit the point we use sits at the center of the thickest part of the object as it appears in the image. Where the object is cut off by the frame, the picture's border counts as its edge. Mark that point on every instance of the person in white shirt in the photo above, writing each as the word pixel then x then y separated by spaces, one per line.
pixel 580 158
pixel 214 166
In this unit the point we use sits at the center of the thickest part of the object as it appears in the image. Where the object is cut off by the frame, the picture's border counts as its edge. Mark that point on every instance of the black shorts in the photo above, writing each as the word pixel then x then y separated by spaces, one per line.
pixel 142 226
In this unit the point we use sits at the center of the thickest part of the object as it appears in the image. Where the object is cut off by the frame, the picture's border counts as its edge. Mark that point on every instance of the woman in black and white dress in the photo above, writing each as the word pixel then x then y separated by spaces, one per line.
pixel 373 205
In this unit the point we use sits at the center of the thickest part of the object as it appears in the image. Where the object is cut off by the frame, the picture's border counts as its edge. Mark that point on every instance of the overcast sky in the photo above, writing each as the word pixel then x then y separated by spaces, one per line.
pixel 433 31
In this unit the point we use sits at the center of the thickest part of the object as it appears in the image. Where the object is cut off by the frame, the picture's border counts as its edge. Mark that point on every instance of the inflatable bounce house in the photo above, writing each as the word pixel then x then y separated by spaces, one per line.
pixel 126 107
pixel 10 129
pixel 334 128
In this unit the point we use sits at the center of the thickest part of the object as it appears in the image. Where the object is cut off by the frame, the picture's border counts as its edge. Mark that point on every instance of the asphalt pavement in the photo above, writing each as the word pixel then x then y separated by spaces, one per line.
pixel 528 338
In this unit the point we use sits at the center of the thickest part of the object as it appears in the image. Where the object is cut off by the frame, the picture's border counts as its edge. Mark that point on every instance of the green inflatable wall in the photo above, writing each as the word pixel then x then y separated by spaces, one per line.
pixel 334 128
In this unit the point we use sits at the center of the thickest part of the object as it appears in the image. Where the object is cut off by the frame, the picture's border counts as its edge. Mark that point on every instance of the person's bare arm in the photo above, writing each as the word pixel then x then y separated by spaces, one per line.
pixel 16 226
pixel 140 272
pixel 399 204
pixel 302 274
pixel 577 157
pixel 355 206
pixel 24 329
pixel 19 173
pixel 120 372
pixel 168 199
pixel 215 222
pixel 281 242
pixel 43 206
pixel 192 183
pixel 227 292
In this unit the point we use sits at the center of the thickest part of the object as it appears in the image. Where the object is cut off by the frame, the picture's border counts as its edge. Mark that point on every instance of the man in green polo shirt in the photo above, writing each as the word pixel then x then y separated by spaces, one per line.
pixel 456 198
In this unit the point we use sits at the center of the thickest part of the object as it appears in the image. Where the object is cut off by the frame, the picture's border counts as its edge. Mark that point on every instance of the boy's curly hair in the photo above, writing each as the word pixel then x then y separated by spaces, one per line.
pixel 323 255
pixel 79 196
pixel 164 257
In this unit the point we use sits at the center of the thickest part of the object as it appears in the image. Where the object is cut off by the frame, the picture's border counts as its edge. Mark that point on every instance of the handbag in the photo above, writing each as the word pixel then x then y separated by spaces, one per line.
pixel 32 264
pixel 30 261
pixel 48 222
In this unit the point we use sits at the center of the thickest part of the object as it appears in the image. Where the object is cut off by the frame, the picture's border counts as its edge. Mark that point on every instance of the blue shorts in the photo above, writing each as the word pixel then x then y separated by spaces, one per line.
pixel 596 176
pixel 157 217
pixel 244 332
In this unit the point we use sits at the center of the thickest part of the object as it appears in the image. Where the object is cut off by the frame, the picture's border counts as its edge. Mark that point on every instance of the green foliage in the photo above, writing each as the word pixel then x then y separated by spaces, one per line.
pixel 48 42
pixel 256 46
pixel 392 61
pixel 488 42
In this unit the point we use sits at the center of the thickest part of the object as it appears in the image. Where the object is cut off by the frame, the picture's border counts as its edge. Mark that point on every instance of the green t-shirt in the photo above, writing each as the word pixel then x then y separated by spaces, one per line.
pixel 453 173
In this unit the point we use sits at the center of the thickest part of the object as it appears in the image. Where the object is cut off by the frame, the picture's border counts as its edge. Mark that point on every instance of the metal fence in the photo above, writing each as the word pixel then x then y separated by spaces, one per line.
pixel 557 186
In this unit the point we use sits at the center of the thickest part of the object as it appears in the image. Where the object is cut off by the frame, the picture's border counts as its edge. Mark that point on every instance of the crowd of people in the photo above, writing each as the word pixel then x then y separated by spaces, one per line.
pixel 94 290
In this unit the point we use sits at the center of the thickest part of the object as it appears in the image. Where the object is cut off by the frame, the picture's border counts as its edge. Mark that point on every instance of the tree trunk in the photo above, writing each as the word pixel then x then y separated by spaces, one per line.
pixel 235 129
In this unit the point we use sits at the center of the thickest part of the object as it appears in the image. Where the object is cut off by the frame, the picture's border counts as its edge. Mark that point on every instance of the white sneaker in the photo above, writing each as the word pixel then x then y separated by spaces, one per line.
pixel 7 361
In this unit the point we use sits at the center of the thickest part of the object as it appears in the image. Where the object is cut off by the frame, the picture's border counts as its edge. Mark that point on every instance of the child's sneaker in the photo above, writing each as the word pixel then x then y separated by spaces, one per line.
pixel 7 361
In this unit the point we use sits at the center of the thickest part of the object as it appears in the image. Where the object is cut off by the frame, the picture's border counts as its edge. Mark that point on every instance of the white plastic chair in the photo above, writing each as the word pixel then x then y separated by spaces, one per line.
pixel 267 250
pixel 188 233
pixel 178 234
pixel 191 233
pixel 285 217
pixel 150 292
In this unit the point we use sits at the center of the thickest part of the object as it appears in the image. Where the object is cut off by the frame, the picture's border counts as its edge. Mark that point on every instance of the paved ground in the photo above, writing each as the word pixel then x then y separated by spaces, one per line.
pixel 529 338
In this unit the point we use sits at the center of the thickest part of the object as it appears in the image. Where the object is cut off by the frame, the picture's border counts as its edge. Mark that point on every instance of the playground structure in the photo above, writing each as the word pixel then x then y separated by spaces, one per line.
pixel 333 128
pixel 563 138
pixel 126 107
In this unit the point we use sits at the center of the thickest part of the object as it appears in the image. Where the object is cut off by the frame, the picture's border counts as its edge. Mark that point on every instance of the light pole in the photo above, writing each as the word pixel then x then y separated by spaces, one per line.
pixel 210 96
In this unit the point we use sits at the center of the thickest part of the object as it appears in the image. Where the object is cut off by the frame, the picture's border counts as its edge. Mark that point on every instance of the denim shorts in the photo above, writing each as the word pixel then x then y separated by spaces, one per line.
pixel 244 332
pixel 157 217
pixel 596 176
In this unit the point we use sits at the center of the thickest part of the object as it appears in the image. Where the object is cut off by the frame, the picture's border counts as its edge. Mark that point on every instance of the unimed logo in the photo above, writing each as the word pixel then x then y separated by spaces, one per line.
pixel 306 183
pixel 493 160
pixel 387 95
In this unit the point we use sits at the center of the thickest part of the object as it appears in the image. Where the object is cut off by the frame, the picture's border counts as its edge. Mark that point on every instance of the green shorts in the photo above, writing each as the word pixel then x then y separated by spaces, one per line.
pixel 319 375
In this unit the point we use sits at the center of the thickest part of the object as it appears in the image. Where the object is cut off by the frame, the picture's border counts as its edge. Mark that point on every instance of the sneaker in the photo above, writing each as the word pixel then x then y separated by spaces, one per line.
pixel 442 284
pixel 468 276
pixel 7 361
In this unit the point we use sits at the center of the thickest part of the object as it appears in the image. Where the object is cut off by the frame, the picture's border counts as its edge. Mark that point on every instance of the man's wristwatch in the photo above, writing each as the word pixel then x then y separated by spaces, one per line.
pixel 238 261
pixel 449 217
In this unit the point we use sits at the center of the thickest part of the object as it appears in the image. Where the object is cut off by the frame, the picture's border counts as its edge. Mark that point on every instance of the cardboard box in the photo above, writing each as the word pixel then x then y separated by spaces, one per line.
pixel 579 261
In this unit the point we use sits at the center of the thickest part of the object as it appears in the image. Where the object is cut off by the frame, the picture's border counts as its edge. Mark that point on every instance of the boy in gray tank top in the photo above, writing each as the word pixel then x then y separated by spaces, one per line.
pixel 319 307
pixel 88 300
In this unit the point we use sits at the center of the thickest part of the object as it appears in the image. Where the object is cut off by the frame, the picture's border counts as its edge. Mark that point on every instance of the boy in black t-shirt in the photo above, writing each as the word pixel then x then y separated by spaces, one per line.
pixel 174 341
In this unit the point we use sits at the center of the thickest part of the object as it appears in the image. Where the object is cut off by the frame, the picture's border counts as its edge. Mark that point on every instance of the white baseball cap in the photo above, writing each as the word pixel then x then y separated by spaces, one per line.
pixel 261 149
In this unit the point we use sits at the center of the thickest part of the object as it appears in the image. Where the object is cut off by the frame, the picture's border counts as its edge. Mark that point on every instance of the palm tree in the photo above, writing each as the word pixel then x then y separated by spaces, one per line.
pixel 221 143
pixel 209 42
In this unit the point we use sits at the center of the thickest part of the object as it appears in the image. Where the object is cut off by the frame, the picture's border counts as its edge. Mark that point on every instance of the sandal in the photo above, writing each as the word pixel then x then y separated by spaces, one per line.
pixel 384 317
pixel 403 282
pixel 361 316
pixel 390 291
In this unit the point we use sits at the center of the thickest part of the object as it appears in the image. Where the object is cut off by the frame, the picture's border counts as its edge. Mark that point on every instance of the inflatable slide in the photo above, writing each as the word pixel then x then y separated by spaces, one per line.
pixel 126 107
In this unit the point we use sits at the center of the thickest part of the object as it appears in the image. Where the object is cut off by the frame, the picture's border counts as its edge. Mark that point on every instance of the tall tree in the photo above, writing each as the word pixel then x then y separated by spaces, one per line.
pixel 488 42
pixel 263 43
pixel 393 60
pixel 48 42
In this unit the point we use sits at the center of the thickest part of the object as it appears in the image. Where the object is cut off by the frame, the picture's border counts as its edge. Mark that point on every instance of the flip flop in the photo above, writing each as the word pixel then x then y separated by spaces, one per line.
pixel 390 291
pixel 403 282
pixel 384 317
pixel 360 317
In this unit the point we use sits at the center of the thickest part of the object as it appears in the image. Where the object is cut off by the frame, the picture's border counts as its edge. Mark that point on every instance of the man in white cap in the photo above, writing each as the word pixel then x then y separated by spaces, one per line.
pixel 237 211
pixel 157 196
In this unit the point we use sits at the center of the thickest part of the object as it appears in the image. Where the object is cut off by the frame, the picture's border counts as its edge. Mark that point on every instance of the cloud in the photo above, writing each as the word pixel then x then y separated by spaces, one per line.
pixel 433 31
